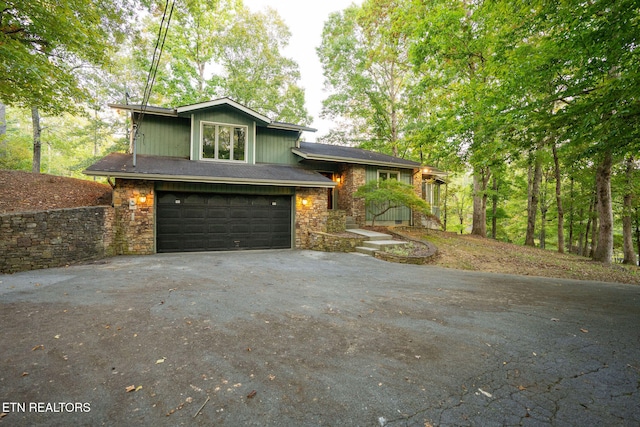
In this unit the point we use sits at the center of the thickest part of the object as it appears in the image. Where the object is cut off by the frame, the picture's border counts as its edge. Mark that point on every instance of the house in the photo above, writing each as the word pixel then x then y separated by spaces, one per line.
pixel 220 176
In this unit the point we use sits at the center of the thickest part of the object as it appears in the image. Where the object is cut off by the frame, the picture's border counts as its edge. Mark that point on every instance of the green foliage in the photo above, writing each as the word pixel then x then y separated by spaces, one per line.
pixel 69 143
pixel 220 48
pixel 382 195
pixel 366 69
pixel 46 48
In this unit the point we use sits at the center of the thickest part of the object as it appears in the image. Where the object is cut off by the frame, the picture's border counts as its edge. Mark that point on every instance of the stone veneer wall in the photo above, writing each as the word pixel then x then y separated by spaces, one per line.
pixel 134 228
pixel 336 221
pixel 353 177
pixel 319 241
pixel 312 216
pixel 54 238
pixel 416 217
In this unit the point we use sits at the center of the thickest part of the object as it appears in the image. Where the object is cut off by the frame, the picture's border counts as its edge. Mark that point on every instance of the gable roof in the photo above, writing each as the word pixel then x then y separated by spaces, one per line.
pixel 184 110
pixel 156 168
pixel 338 153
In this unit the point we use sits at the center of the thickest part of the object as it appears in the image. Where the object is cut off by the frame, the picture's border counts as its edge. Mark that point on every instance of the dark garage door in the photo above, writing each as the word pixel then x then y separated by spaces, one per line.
pixel 219 222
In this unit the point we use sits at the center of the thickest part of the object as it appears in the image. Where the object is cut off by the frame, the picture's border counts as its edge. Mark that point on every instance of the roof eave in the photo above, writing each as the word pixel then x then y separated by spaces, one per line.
pixel 308 156
pixel 290 126
pixel 223 101
pixel 154 111
pixel 209 180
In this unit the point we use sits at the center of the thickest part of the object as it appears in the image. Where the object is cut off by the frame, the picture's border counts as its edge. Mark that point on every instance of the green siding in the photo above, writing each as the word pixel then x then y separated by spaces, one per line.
pixel 164 136
pixel 274 146
pixel 222 115
pixel 397 214
pixel 194 187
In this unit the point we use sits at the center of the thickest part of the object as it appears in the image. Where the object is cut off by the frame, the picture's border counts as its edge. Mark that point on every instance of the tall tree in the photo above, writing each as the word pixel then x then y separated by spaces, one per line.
pixel 256 73
pixel 364 54
pixel 43 49
pixel 627 219
pixel 220 48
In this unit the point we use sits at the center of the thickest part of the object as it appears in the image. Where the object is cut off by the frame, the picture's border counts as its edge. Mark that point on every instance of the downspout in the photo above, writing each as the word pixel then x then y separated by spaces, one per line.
pixel 134 136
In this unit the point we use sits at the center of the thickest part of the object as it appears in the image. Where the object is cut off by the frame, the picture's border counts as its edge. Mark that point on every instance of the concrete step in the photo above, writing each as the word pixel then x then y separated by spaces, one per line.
pixel 379 244
pixel 371 235
pixel 365 250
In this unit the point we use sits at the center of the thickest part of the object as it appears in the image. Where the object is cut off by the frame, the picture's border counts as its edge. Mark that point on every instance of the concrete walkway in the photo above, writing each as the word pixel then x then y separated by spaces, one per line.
pixel 302 338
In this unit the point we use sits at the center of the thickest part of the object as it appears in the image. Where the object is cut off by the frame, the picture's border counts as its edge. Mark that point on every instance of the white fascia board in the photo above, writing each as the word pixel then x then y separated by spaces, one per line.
pixel 223 101
pixel 351 160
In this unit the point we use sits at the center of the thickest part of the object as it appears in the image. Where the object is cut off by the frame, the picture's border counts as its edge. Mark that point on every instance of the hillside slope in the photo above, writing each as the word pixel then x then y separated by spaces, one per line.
pixel 468 252
pixel 24 191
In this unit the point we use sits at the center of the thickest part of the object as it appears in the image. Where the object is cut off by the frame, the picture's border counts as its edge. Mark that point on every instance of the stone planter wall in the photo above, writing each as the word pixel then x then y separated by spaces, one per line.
pixel 54 238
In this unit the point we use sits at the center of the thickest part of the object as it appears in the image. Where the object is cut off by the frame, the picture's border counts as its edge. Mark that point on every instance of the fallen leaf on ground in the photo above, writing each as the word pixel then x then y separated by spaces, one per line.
pixel 252 394
pixel 138 388
pixel 24 374
pixel 38 347
pixel 521 387
pixel 486 393
pixel 553 319
pixel 160 360
pixel 130 388
pixel 584 331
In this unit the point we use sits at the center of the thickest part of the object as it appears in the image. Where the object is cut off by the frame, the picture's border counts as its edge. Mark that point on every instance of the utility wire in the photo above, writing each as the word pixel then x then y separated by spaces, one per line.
pixel 155 61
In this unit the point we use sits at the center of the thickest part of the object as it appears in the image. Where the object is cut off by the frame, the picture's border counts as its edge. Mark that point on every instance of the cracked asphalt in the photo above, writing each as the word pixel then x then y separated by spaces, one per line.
pixel 284 338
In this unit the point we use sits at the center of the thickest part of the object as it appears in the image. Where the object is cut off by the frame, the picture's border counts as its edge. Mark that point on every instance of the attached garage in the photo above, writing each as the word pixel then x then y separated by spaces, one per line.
pixel 188 222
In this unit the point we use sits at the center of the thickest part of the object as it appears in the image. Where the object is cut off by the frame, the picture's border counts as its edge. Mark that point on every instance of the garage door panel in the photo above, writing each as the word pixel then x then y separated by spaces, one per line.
pixel 222 222
pixel 191 212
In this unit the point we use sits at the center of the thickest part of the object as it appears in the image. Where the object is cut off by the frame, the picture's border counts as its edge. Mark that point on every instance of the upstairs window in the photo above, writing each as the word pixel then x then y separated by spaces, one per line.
pixel 223 141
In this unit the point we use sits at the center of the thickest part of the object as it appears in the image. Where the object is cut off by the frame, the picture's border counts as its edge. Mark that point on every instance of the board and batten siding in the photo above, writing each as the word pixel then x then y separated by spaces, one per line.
pixel 227 116
pixel 396 214
pixel 164 136
pixel 274 146
pixel 195 187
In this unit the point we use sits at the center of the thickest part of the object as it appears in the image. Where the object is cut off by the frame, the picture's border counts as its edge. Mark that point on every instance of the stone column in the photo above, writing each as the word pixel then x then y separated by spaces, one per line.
pixel 311 213
pixel 134 222
pixel 353 177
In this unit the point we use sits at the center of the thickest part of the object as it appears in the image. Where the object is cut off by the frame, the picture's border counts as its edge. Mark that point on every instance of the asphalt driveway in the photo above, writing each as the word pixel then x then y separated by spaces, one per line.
pixel 302 338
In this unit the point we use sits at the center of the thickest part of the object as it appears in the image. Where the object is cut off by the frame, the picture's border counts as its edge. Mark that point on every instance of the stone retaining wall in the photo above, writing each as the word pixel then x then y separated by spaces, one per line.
pixel 319 241
pixel 54 238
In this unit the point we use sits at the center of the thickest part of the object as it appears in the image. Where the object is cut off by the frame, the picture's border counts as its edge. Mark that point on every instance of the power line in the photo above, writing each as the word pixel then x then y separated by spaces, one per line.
pixel 153 68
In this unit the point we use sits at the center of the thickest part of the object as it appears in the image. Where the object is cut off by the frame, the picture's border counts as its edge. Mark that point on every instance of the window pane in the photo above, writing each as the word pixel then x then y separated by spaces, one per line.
pixel 393 176
pixel 224 142
pixel 239 141
pixel 384 176
pixel 208 141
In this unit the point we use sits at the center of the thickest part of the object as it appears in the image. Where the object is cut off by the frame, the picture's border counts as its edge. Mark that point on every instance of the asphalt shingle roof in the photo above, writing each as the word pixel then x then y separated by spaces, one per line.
pixel 120 165
pixel 338 153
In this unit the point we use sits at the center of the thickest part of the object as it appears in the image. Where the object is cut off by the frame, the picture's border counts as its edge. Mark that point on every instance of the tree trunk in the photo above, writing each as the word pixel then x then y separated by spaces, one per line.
pixel 494 208
pixel 543 226
pixel 480 181
pixel 3 119
pixel 590 217
pixel 532 202
pixel 627 229
pixel 571 217
pixel 638 228
pixel 604 247
pixel 37 143
pixel 558 199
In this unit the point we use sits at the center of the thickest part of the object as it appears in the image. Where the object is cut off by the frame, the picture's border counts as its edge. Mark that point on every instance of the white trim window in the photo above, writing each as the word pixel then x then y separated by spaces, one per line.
pixel 223 141
pixel 384 175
